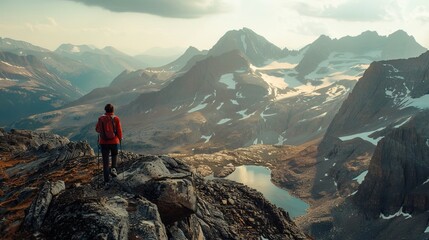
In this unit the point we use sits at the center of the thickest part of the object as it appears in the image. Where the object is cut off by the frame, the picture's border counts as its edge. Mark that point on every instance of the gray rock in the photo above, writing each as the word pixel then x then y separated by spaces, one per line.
pixel 146 221
pixel 169 194
pixel 145 171
pixel 40 205
pixel 176 233
pixel 79 214
pixel 175 199
pixel 399 165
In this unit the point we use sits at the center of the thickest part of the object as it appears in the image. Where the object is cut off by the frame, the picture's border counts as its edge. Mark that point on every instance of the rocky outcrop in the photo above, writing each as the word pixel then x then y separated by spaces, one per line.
pixel 382 95
pixel 240 205
pixel 38 209
pixel 80 213
pixel 154 197
pixel 398 169
pixel 392 201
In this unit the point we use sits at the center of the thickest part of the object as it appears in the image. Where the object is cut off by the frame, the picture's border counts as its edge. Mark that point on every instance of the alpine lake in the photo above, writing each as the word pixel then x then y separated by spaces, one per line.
pixel 259 178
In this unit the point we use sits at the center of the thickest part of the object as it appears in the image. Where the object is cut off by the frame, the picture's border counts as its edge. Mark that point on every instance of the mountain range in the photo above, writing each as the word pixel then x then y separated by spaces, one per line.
pixel 355 107
pixel 27 87
pixel 243 91
pixel 81 67
pixel 373 159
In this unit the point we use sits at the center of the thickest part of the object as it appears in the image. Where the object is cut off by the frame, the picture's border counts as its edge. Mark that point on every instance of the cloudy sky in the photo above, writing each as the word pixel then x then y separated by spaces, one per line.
pixel 135 26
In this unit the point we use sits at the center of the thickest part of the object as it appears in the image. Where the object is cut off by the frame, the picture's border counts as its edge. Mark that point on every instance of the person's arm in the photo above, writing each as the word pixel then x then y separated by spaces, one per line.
pixel 118 128
pixel 98 126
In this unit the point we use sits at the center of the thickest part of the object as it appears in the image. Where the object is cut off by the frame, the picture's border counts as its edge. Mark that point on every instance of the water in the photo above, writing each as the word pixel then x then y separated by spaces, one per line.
pixel 259 178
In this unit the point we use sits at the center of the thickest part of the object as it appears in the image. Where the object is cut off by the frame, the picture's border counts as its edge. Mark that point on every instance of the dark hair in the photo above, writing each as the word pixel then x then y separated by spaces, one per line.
pixel 108 108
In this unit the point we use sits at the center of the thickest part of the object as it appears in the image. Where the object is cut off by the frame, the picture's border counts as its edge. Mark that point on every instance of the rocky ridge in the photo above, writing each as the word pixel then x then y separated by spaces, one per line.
pixel 392 200
pixel 154 197
pixel 374 157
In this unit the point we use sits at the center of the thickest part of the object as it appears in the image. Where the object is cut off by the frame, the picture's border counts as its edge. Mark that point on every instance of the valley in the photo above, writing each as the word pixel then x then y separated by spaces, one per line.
pixel 341 123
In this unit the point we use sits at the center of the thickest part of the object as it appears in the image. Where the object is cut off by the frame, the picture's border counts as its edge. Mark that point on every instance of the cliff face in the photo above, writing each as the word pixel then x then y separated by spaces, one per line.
pixel 50 190
pixel 398 172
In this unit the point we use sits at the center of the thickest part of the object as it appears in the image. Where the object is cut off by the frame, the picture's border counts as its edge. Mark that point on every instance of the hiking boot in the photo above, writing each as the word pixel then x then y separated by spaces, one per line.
pixel 113 172
pixel 107 185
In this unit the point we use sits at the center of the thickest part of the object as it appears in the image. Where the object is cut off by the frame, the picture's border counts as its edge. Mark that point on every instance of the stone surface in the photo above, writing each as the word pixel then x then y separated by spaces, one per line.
pixel 78 213
pixel 166 201
pixel 400 164
pixel 38 209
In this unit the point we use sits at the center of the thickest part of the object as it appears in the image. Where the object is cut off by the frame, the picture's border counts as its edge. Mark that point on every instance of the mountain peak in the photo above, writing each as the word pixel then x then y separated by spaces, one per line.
pixel 322 39
pixel 74 49
pixel 192 49
pixel 400 34
pixel 257 49
pixel 370 33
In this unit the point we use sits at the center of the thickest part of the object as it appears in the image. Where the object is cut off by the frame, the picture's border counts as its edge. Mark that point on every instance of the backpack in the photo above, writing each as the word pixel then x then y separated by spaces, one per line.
pixel 108 128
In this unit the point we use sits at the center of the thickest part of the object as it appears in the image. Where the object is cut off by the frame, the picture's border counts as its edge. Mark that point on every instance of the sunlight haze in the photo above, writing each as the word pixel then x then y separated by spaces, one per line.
pixel 136 26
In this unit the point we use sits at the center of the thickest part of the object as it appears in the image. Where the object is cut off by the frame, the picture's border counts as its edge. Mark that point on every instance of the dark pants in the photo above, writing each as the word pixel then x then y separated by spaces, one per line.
pixel 106 149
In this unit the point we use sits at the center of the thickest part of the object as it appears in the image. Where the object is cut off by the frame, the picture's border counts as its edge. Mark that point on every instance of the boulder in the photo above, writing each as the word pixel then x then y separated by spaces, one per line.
pixel 79 214
pixel 146 222
pixel 175 198
pixel 40 205
pixel 151 178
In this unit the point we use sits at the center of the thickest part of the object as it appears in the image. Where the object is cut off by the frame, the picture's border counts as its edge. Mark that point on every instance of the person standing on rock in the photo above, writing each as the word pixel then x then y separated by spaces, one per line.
pixel 109 138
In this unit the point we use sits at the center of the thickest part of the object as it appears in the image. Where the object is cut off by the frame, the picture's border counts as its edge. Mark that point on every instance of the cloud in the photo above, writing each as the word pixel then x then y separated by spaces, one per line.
pixel 351 10
pixel 47 23
pixel 164 8
pixel 361 10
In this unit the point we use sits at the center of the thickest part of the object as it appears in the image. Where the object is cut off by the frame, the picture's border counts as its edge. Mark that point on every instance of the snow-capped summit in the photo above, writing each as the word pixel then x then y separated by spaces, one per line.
pixel 255 47
pixel 107 60
pixel 367 46
pixel 76 49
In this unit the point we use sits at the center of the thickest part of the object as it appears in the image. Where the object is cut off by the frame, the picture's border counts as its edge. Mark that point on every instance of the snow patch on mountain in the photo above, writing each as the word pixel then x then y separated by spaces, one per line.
pixel 336 91
pixel 264 115
pixel 421 102
pixel 364 136
pixel 402 123
pixel 10 65
pixel 223 121
pixel 220 106
pixel 392 68
pixel 198 107
pixel 206 138
pixel 295 58
pixel 397 214
pixel 176 108
pixel 75 49
pixel 244 115
pixel 275 65
pixel 234 102
pixel 313 118
pixel 401 98
pixel 281 140
pixel 273 81
pixel 361 177
pixel 343 66
pixel 228 80
pixel 239 95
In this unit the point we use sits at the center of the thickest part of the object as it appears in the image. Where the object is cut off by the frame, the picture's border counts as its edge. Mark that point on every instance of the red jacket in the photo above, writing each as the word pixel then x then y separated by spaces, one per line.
pixel 118 127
